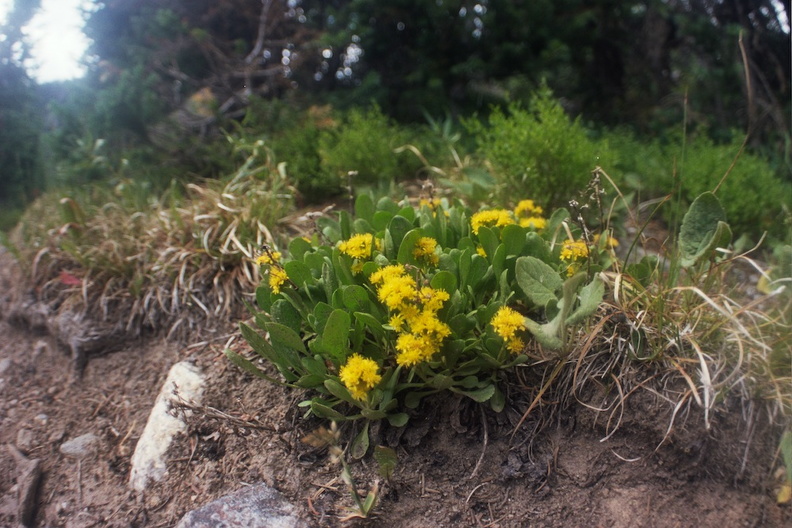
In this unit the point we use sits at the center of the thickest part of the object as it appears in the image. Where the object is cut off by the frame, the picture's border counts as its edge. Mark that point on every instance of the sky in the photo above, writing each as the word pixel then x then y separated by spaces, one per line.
pixel 57 38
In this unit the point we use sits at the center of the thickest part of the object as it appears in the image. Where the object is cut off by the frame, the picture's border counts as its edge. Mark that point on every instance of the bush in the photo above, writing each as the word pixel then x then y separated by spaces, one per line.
pixel 364 143
pixel 538 151
pixel 755 198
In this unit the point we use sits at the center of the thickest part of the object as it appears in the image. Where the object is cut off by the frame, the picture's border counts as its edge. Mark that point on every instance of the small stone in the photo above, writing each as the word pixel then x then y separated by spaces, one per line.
pixel 39 348
pixel 41 419
pixel 25 440
pixel 5 364
pixel 258 506
pixel 80 447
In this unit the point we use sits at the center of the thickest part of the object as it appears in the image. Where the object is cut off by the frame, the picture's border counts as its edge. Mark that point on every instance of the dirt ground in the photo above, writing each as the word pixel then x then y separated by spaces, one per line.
pixel 457 463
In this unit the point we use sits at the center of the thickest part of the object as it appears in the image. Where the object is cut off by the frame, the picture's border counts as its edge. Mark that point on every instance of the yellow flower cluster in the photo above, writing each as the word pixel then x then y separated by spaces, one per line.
pixel 359 375
pixel 359 246
pixel 506 323
pixel 425 251
pixel 268 257
pixel 490 218
pixel 277 276
pixel 414 314
pixel 529 214
pixel 573 253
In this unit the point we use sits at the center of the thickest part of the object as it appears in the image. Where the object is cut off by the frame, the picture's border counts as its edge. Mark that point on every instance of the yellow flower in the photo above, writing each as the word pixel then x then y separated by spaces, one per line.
pixel 573 250
pixel 493 217
pixel 434 203
pixel 387 273
pixel 397 322
pixel 414 349
pixel 506 322
pixel 268 257
pixel 396 291
pixel 515 345
pixel 535 222
pixel 480 251
pixel 277 276
pixel 433 299
pixel 359 246
pixel 425 250
pixel 359 375
pixel 527 208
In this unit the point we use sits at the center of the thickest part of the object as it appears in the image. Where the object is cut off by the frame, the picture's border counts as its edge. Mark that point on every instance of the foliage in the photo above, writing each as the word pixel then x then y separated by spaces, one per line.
pixel 754 196
pixel 141 261
pixel 364 143
pixel 378 311
pixel 539 150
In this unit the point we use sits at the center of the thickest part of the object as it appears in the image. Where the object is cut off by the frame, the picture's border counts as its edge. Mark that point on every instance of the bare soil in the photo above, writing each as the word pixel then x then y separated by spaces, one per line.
pixel 458 464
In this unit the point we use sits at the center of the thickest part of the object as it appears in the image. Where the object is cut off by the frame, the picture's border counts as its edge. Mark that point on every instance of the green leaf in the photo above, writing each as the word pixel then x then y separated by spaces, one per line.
pixel 381 220
pixel 480 395
pixel 285 313
pixel 386 204
pixel 248 366
pixel 310 381
pixel 299 273
pixel 513 237
pixel 386 458
pixel 398 419
pixel 329 228
pixel 489 240
pixel 703 229
pixel 323 411
pixel 364 207
pixel 335 337
pixel 372 414
pixel 590 299
pixel 360 444
pixel 298 247
pixel 536 246
pixel 444 280
pixel 356 298
pixel 498 400
pixel 394 234
pixel 339 391
pixel 371 323
pixel 264 297
pixel 285 336
pixel 407 247
pixel 329 280
pixel 314 365
pixel 259 345
pixel 537 280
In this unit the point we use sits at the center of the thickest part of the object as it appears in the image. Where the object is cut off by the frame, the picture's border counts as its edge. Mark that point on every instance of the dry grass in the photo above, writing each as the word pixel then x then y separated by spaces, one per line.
pixel 178 263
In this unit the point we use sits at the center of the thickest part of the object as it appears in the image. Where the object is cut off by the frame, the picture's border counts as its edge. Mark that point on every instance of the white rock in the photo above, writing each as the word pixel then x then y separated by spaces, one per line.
pixel 148 461
pixel 5 364
pixel 80 447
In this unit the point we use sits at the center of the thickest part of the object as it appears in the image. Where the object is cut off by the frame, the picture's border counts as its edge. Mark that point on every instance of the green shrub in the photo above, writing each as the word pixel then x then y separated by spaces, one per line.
pixel 364 142
pixel 755 198
pixel 538 151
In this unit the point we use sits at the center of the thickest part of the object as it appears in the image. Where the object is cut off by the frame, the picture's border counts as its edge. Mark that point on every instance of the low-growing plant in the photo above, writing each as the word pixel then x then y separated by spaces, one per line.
pixel 538 150
pixel 377 311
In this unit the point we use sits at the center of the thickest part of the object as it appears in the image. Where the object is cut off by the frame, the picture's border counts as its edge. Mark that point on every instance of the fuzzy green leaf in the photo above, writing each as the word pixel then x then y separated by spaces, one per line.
pixel 703 229
pixel 590 299
pixel 360 444
pixel 537 280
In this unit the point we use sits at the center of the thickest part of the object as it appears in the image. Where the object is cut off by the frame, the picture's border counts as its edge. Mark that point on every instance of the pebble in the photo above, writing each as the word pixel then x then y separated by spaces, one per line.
pixel 5 364
pixel 258 506
pixel 41 419
pixel 80 447
pixel 24 440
